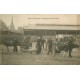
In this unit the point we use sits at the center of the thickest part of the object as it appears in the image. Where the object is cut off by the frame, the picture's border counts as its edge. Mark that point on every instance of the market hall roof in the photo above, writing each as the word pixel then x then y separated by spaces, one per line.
pixel 53 27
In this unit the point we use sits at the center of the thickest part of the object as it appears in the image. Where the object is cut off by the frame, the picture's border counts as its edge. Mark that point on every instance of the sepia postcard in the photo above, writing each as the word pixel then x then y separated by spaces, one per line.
pixel 39 39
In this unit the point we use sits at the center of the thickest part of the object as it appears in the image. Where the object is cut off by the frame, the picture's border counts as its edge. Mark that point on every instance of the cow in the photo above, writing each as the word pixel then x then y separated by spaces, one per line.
pixel 65 47
pixel 24 46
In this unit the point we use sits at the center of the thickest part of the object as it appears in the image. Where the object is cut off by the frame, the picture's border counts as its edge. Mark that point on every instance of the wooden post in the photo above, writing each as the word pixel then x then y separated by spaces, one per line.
pixel 2 56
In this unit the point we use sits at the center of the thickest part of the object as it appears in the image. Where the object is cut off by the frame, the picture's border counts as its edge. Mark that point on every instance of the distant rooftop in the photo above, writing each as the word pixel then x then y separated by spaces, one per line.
pixel 3 26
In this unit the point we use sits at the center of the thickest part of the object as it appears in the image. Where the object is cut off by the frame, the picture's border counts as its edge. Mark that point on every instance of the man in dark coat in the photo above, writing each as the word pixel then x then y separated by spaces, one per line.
pixel 42 42
pixel 70 46
pixel 50 46
pixel 15 43
pixel 38 46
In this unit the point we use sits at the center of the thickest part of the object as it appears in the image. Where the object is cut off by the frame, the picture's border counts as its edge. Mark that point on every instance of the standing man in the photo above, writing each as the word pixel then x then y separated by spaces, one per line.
pixel 50 46
pixel 26 43
pixel 38 45
pixel 15 43
pixel 70 46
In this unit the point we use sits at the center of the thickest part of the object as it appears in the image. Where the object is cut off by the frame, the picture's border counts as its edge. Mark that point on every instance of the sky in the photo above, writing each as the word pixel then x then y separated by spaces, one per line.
pixel 25 19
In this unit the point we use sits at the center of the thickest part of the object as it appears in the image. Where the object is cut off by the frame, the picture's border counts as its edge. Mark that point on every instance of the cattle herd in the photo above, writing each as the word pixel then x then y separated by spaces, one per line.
pixel 53 46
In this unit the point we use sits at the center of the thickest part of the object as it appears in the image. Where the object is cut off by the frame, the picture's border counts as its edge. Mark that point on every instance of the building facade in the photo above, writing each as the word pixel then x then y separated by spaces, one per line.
pixel 52 30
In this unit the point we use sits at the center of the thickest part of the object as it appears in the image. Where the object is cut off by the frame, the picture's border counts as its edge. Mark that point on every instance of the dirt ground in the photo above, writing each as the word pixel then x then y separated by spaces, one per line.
pixel 27 58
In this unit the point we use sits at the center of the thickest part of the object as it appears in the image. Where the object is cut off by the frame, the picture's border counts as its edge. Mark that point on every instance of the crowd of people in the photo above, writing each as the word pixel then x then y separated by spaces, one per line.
pixel 48 44
pixel 65 43
pixel 40 44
